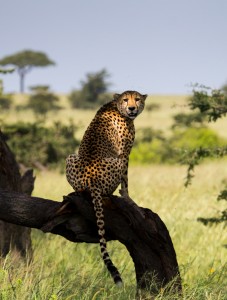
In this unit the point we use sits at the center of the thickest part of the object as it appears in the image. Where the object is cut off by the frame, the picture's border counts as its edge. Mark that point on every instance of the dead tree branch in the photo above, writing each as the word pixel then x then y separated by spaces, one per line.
pixel 141 231
pixel 147 239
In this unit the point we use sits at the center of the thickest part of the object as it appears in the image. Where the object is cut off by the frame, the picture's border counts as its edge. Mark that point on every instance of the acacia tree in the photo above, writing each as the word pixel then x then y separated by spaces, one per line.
pixel 24 61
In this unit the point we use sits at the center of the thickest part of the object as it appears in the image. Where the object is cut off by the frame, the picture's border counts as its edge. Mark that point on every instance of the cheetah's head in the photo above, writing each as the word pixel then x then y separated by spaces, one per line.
pixel 130 103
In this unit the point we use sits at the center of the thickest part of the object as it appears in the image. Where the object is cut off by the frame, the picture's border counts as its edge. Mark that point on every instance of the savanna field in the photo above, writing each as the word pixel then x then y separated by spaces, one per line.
pixel 64 270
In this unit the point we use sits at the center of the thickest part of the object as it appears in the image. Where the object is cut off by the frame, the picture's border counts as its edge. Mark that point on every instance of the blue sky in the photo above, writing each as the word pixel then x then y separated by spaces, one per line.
pixel 153 46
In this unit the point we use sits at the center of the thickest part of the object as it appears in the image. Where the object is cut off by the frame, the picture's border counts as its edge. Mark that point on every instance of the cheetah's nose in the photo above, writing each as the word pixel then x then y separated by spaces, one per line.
pixel 131 108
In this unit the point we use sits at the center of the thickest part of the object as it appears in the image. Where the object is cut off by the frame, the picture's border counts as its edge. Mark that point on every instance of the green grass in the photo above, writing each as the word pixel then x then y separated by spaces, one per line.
pixel 64 270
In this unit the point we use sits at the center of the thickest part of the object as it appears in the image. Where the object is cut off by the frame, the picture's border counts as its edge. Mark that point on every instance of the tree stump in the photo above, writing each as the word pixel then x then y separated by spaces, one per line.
pixel 14 237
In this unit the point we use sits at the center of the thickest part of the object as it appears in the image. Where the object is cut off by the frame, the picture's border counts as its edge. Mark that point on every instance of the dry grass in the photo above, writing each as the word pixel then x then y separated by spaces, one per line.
pixel 200 249
pixel 160 119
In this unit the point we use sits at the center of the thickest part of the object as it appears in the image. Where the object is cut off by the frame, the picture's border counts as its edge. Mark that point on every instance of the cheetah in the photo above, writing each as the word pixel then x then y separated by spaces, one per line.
pixel 102 160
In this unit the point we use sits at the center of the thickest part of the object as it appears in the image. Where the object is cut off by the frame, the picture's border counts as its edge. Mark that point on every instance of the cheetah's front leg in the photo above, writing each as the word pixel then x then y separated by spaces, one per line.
pixel 124 184
pixel 124 192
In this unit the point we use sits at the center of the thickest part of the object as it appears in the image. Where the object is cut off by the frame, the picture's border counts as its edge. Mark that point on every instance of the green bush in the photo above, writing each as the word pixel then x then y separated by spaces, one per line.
pixel 147 134
pixel 42 101
pixel 5 102
pixel 192 138
pixel 34 144
pixel 93 92
pixel 183 120
pixel 77 100
pixel 152 147
pixel 147 152
pixel 152 106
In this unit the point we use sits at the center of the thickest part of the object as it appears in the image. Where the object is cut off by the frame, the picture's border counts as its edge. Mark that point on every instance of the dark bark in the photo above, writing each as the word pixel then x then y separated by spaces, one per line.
pixel 12 236
pixel 146 238
pixel 22 75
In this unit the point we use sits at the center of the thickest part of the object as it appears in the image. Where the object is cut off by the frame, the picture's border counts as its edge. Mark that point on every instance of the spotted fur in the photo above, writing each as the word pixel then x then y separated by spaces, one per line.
pixel 102 160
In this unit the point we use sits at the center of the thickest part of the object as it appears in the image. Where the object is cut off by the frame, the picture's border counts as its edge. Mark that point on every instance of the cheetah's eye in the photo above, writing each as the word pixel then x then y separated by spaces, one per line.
pixel 137 99
pixel 125 100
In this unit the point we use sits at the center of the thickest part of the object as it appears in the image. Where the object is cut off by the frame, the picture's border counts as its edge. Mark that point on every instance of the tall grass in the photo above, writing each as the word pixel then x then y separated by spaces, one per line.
pixel 63 270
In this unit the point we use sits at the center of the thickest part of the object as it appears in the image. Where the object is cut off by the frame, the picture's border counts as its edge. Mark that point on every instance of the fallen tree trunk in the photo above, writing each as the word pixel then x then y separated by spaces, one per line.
pixel 141 231
pixel 146 238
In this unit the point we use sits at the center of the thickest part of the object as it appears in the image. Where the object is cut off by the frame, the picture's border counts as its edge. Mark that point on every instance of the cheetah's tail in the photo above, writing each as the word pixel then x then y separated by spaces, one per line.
pixel 98 207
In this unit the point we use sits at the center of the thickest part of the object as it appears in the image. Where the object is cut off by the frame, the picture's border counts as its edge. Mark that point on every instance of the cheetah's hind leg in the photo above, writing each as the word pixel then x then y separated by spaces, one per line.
pixel 72 163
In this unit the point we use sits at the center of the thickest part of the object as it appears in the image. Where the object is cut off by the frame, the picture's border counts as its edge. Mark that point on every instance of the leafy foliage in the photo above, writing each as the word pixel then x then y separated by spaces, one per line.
pixel 24 61
pixel 215 220
pixel 42 101
pixel 191 138
pixel 34 144
pixel 93 91
pixel 5 102
pixel 224 89
pixel 194 157
pixel 27 59
pixel 152 146
pixel 213 104
pixel 183 120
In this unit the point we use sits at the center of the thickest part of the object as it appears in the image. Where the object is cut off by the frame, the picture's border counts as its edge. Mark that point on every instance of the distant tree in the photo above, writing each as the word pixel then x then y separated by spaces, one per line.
pixel 93 91
pixel 42 100
pixel 24 61
pixel 94 85
pixel 224 89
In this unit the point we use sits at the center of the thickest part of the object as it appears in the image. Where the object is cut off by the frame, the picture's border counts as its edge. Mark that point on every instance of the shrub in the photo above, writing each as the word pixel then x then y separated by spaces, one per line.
pixel 5 102
pixel 192 138
pixel 42 101
pixel 77 100
pixel 35 144
pixel 93 91
pixel 152 147
pixel 147 152
pixel 183 120
pixel 147 134
pixel 152 106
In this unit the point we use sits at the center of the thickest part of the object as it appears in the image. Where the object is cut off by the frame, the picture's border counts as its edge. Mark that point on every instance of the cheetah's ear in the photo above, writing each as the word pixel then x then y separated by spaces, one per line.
pixel 116 96
pixel 144 97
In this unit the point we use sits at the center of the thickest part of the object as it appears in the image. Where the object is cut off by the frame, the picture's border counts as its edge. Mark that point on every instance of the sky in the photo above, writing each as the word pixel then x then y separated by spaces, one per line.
pixel 152 46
